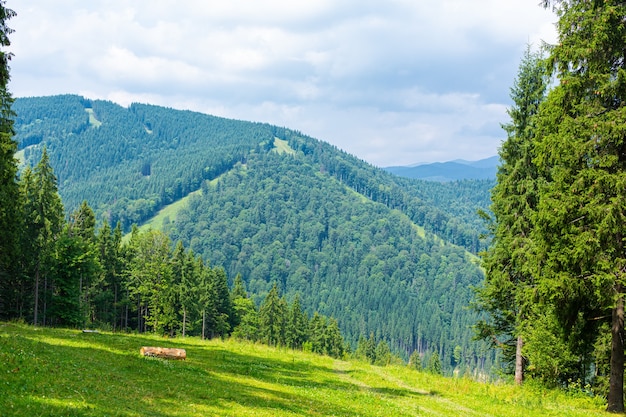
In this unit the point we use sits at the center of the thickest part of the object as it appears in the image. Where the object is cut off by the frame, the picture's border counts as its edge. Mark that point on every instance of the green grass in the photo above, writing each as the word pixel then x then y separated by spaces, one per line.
pixel 168 212
pixel 282 146
pixel 57 372
pixel 92 118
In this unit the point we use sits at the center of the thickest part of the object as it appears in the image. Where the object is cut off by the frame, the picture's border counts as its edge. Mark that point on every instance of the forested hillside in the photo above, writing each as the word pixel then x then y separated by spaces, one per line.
pixel 386 256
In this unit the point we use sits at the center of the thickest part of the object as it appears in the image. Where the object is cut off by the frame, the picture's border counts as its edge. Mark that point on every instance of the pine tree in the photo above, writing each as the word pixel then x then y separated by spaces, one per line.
pixel 434 364
pixel 272 318
pixel 43 222
pixel 581 247
pixel 515 197
pixel 297 325
pixel 335 346
pixel 150 282
pixel 383 354
pixel 108 299
pixel 415 360
pixel 82 228
pixel 10 202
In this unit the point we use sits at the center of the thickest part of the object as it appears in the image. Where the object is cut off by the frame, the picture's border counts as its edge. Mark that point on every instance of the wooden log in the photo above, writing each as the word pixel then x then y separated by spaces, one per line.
pixel 165 353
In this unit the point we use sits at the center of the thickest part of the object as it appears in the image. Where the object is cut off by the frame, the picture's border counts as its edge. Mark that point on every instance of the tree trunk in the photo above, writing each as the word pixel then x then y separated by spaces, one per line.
pixel 36 296
pixel 615 403
pixel 45 298
pixel 166 353
pixel 519 361
pixel 184 319
pixel 203 322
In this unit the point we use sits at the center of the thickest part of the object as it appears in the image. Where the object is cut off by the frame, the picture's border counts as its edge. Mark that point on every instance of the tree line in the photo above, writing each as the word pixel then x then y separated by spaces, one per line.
pixel 70 273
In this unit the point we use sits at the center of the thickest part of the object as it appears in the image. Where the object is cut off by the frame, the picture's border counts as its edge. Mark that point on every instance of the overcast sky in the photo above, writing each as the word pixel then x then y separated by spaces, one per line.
pixel 393 82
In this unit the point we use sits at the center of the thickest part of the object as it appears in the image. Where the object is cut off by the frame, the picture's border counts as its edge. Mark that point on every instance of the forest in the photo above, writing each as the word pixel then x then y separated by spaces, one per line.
pixel 387 257
pixel 284 229
pixel 316 228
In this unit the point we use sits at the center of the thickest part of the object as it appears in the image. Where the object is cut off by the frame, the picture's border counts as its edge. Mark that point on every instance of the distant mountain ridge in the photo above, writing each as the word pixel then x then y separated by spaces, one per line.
pixel 484 169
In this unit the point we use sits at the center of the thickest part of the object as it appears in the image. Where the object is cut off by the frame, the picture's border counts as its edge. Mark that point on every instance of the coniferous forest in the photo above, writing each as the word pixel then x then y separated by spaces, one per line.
pixel 287 240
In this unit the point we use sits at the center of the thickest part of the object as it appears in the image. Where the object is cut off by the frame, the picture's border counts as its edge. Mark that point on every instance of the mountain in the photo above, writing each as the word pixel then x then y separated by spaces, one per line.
pixel 484 169
pixel 385 255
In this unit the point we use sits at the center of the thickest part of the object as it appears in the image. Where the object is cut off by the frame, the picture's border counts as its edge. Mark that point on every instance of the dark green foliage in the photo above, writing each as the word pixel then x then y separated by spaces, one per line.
pixel 278 220
pixel 434 364
pixel 507 291
pixel 383 354
pixel 10 202
pixel 43 222
pixel 579 238
pixel 272 314
pixel 297 326
pixel 138 159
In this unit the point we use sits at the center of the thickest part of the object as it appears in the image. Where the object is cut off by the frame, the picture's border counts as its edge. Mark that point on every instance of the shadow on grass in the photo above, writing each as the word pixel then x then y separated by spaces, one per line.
pixel 63 373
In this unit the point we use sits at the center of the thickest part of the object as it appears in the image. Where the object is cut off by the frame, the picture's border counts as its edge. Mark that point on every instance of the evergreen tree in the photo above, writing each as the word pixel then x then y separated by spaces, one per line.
pixel 434 364
pixel 81 228
pixel 74 259
pixel 581 247
pixel 109 293
pixel 223 301
pixel 239 289
pixel 272 318
pixel 248 327
pixel 296 326
pixel 504 294
pixel 10 202
pixel 317 334
pixel 335 346
pixel 43 218
pixel 415 360
pixel 150 282
pixel 238 292
pixel 370 348
pixel 383 354
pixel 185 278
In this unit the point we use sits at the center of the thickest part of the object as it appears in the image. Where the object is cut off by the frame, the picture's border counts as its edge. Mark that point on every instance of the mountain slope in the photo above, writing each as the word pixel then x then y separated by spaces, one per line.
pixel 384 255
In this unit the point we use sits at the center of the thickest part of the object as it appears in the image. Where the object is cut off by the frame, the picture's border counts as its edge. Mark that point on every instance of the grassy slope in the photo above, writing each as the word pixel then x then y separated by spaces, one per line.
pixel 168 212
pixel 171 210
pixel 51 372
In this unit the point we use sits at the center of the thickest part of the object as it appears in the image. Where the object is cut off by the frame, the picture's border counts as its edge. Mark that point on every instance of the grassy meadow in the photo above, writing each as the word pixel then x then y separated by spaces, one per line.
pixel 60 372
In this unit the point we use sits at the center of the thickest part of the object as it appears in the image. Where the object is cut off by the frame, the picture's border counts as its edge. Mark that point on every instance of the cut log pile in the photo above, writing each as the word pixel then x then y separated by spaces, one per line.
pixel 165 353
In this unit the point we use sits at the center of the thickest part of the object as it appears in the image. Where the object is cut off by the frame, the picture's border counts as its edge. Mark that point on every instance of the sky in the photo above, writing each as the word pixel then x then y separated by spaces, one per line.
pixel 393 82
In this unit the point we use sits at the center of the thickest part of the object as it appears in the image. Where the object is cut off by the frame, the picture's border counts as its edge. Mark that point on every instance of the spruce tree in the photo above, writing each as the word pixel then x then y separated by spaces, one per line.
pixel 272 315
pixel 515 196
pixel 10 208
pixel 43 222
pixel 580 238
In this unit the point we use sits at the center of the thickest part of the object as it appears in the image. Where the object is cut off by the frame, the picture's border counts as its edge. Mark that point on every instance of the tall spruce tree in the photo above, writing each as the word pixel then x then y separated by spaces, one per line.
pixel 9 189
pixel 514 200
pixel 43 222
pixel 580 236
pixel 272 318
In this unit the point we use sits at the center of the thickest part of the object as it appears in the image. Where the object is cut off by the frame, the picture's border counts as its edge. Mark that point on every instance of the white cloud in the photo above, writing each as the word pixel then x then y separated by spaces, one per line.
pixel 393 82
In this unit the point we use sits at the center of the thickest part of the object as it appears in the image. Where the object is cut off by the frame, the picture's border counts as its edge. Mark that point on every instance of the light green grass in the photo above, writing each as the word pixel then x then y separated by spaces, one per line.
pixel 167 213
pixel 19 155
pixel 282 146
pixel 92 118
pixel 55 372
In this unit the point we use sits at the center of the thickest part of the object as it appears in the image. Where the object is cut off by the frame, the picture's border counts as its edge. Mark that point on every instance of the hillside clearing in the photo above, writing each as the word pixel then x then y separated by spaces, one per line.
pixel 66 372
